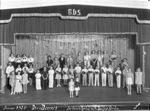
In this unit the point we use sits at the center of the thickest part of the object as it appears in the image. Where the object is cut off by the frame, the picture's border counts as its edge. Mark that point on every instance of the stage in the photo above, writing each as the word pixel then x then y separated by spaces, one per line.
pixel 87 95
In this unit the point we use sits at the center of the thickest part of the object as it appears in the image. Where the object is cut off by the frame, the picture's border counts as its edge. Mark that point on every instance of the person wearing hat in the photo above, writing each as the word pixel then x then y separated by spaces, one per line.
pixel 77 87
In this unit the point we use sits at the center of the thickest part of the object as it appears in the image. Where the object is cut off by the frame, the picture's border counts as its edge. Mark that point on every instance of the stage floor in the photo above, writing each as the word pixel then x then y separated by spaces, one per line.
pixel 87 95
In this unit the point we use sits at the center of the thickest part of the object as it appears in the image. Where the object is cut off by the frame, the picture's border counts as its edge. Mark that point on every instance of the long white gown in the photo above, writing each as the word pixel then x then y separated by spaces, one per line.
pixel 118 78
pixel 38 81
pixel 18 86
pixel 51 78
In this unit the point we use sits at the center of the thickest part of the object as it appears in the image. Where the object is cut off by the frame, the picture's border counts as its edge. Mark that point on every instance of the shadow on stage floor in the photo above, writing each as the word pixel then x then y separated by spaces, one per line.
pixel 87 95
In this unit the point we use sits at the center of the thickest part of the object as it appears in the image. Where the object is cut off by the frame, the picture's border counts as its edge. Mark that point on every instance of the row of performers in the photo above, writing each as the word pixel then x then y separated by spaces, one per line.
pixel 88 77
pixel 94 59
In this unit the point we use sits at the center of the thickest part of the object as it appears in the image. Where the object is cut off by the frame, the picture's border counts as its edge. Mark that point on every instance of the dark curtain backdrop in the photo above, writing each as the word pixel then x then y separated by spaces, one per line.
pixel 57 25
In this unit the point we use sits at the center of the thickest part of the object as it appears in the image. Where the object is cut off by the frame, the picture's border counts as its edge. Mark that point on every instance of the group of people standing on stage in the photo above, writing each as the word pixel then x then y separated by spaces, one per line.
pixel 91 70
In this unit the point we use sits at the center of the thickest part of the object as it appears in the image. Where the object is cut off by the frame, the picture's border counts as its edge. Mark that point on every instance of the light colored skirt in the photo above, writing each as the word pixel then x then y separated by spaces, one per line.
pixel 77 88
pixel 129 81
pixel 58 76
pixel 65 76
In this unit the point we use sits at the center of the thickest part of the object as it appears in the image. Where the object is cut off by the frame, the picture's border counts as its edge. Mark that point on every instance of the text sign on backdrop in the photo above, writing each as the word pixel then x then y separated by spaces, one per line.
pixel 74 12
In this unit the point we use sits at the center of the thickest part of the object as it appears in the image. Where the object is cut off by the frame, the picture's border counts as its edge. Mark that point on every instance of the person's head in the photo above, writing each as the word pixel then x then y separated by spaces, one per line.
pixel 38 71
pixel 125 60
pixel 118 68
pixel 113 52
pixel 71 67
pixel 44 68
pixel 93 52
pixel 25 65
pixel 104 65
pixel 129 70
pixel 99 52
pixel 78 64
pixel 125 67
pixel 77 79
pixel 30 56
pixel 30 66
pixel 17 55
pixel 49 57
pixel 51 67
pixel 55 58
pixel 65 66
pixel 79 54
pixel 109 65
pixel 71 80
pixel 23 55
pixel 97 67
pixel 86 53
pixel 138 69
pixel 105 52
pixel 11 55
pixel 69 55
pixel 19 72
pixel 9 64
pixel 19 66
pixel 91 66
pixel 62 55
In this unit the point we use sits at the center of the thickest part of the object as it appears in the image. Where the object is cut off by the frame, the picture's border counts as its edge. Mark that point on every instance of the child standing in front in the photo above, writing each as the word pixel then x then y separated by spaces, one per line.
pixel 25 81
pixel 130 79
pixel 71 87
pixel 139 80
pixel 77 87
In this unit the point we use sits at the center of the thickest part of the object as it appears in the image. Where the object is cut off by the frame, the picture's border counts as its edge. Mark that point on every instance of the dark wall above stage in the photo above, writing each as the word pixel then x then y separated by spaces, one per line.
pixel 57 25
pixel 84 10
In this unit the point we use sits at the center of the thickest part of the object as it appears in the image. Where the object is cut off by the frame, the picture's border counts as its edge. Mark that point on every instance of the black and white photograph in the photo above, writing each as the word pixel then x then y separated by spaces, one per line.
pixel 83 55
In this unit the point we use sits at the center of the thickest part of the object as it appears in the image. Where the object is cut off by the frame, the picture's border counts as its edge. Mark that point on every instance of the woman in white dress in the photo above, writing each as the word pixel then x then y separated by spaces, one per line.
pixel 18 68
pixel 51 77
pixel 71 87
pixel 12 82
pixel 18 86
pixel 25 81
pixel 118 77
pixel 58 75
pixel 65 74
pixel 38 80
pixel 104 75
pixel 130 79
pixel 139 80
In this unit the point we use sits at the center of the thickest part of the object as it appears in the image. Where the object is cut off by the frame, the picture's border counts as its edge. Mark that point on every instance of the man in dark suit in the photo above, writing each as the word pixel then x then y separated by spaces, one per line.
pixel 62 61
